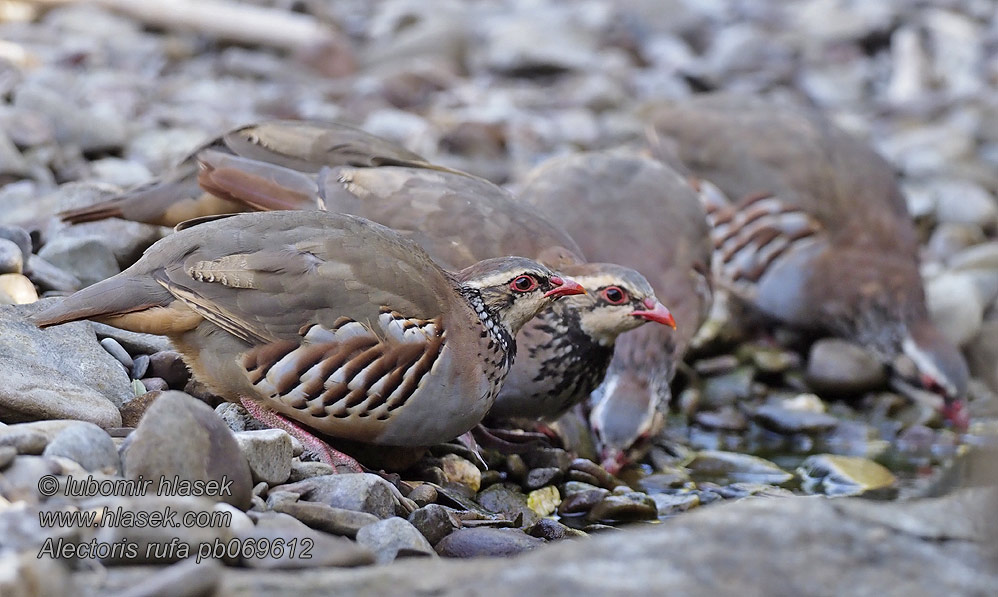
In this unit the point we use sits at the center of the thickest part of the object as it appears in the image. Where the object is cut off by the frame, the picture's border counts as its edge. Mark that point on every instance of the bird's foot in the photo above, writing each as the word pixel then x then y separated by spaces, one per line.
pixel 316 446
pixel 509 441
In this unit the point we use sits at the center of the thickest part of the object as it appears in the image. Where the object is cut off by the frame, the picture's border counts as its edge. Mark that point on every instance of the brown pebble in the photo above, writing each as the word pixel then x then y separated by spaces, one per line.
pixel 423 494
pixel 169 365
pixel 132 411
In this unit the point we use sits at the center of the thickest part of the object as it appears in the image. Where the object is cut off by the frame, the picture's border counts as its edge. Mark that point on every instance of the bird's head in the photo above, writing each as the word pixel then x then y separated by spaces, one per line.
pixel 932 364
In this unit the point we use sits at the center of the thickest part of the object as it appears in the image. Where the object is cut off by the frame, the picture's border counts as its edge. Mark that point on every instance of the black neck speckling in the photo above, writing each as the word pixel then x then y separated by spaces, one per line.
pixel 492 324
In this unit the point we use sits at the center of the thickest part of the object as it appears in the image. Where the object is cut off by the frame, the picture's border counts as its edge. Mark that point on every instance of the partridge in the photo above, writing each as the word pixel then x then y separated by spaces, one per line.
pixel 649 218
pixel 818 235
pixel 460 219
pixel 300 145
pixel 329 320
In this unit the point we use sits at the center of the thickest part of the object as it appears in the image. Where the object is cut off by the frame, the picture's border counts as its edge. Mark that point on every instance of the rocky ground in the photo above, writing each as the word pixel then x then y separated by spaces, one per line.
pixel 95 99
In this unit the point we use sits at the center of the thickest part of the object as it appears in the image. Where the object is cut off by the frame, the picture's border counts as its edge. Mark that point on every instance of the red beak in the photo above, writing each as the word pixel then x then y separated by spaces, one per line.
pixel 956 413
pixel 656 312
pixel 564 287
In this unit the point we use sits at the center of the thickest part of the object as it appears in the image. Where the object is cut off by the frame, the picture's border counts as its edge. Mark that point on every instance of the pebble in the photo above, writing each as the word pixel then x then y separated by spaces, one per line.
pixel 16 289
pixel 320 551
pixel 88 445
pixel 50 277
pixel 23 439
pixel 581 502
pixel 837 367
pixel 727 418
pixel 955 306
pixel 306 470
pixel 268 453
pixel 89 259
pixel 169 366
pixel 629 507
pixel 23 574
pixel 662 480
pixel 737 467
pixel 179 435
pixel 117 351
pixel 784 420
pixel 485 542
pixel 434 521
pixel 140 365
pixel 322 517
pixel 675 503
pixel 423 494
pixel 460 471
pixel 394 538
pixel 7 455
pixel 600 474
pixel 11 257
pixel 363 492
pixel 135 343
pixel 544 501
pixel 133 410
pixel 186 578
pixel 539 477
pixel 548 458
pixel 982 354
pixel 506 498
pixel 835 475
pixel 20 237
pixel 964 202
pixel 727 389
pixel 552 530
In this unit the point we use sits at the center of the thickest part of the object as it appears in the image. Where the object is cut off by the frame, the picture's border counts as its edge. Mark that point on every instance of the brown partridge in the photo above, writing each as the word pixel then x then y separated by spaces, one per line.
pixel 818 235
pixel 330 320
pixel 460 219
pixel 300 145
pixel 636 211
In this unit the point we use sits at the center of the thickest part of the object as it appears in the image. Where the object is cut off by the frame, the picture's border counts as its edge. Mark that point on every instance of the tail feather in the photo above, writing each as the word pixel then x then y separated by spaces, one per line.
pixel 149 203
pixel 260 185
pixel 118 295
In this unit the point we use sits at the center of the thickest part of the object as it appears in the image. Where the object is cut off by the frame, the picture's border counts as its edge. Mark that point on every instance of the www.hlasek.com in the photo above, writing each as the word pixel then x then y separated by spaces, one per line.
pixel 164 517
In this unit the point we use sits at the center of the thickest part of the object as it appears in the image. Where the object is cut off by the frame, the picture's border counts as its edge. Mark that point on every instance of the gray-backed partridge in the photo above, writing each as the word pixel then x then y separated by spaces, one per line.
pixel 818 235
pixel 633 210
pixel 330 320
pixel 460 219
pixel 301 145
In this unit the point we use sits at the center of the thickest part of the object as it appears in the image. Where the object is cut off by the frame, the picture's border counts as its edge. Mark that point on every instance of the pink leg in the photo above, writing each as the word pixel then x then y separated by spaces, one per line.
pixel 312 444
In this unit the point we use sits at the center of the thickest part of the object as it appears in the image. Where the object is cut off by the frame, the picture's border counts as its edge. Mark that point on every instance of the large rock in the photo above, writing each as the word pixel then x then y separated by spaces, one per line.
pixel 361 492
pixel 792 546
pixel 61 372
pixel 181 436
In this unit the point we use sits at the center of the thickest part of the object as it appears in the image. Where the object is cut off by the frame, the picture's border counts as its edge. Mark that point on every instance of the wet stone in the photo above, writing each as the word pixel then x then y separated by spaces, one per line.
pixel 727 389
pixel 516 466
pixel 506 498
pixel 663 480
pixel 737 467
pixel 787 421
pixel 552 530
pixel 539 477
pixel 629 507
pixel 581 502
pixel 834 475
pixel 394 538
pixel 675 503
pixel 485 541
pixel 582 477
pixel 435 522
pixel 744 490
pixel 716 365
pixel 773 361
pixel 727 418
pixel 603 478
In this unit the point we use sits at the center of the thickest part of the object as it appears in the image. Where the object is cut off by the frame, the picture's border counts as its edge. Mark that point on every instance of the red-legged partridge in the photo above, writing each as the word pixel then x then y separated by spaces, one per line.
pixel 633 210
pixel 330 320
pixel 301 145
pixel 460 219
pixel 818 235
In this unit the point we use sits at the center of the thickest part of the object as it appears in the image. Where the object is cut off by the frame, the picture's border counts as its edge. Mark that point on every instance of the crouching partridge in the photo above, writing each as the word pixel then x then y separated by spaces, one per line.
pixel 650 219
pixel 329 320
pixel 300 145
pixel 818 235
pixel 460 219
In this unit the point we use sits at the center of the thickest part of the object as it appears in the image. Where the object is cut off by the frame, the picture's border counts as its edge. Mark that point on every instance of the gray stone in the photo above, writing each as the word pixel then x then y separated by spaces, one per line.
pixel 50 277
pixel 169 365
pixel 11 258
pixel 955 306
pixel 737 467
pixel 23 440
pixel 73 124
pixel 7 455
pixel 630 507
pixel 236 418
pixel 19 481
pixel 835 475
pixel 24 574
pixel 778 418
pixel 394 538
pixel 88 445
pixel 134 342
pixel 87 258
pixel 964 202
pixel 727 389
pixel 362 492
pixel 180 435
pixel 57 373
pixel 675 503
pixel 552 530
pixel 423 494
pixel 506 498
pixel 486 541
pixel 118 352
pixel 311 548
pixel 268 452
pixel 187 578
pixel 336 521
pixel 140 366
pixel 306 470
pixel 982 354
pixel 539 477
pixel 435 522
pixel 840 368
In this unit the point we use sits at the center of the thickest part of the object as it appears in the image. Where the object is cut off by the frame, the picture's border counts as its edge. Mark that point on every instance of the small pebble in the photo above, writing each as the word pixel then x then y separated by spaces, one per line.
pixel 18 289
pixel 423 494
pixel 140 365
pixel 544 501
pixel 115 350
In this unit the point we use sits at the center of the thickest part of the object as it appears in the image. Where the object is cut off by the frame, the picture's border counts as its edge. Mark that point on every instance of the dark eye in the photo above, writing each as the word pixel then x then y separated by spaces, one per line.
pixel 615 295
pixel 523 283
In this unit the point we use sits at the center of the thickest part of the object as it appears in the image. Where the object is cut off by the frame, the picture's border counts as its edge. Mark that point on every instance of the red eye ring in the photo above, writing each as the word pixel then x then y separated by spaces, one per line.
pixel 615 295
pixel 524 283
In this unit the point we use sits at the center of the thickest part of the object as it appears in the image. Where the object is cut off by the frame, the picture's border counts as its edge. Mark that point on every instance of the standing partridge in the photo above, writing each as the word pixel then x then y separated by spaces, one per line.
pixel 301 145
pixel 330 320
pixel 460 219
pixel 818 236
pixel 636 211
